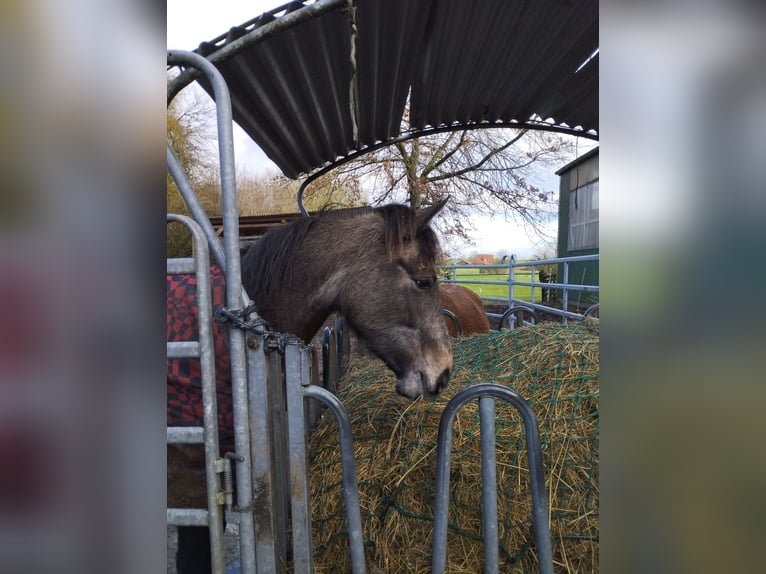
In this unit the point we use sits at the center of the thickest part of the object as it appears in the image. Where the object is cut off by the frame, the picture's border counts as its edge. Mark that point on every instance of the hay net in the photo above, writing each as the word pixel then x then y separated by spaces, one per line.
pixel 555 368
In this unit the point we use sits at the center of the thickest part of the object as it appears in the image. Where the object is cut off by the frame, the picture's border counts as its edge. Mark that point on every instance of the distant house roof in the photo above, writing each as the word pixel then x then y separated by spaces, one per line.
pixel 313 83
pixel 485 258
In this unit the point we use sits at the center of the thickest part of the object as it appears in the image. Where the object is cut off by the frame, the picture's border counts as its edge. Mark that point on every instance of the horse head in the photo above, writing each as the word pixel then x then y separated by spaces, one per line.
pixel 377 267
pixel 393 300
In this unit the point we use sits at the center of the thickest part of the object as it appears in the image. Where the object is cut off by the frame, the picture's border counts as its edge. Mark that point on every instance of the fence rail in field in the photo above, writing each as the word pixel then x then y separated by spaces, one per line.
pixel 523 274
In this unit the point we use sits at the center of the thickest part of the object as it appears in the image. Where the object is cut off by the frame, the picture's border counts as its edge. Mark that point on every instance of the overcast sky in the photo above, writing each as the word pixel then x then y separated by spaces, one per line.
pixel 191 22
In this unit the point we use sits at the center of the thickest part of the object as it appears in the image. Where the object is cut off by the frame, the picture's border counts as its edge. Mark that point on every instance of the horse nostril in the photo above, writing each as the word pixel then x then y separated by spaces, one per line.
pixel 443 379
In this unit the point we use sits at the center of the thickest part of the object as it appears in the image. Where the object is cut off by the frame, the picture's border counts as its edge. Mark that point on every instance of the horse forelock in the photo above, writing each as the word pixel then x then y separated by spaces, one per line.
pixel 401 226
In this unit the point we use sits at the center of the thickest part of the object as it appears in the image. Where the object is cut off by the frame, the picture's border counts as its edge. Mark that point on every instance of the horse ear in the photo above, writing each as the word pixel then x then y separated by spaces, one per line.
pixel 426 214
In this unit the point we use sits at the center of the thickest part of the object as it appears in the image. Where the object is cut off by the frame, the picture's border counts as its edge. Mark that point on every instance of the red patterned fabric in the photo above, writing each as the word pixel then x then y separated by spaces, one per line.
pixel 184 383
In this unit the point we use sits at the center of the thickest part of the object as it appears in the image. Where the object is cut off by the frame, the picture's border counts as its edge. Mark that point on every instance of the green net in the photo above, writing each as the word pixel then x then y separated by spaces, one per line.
pixel 552 366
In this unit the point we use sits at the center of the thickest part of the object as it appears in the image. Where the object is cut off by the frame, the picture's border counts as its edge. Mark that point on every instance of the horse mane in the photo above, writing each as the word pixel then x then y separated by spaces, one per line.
pixel 268 263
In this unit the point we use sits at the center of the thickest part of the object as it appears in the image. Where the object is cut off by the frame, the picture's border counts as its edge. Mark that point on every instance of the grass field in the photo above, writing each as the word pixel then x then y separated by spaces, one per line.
pixel 519 291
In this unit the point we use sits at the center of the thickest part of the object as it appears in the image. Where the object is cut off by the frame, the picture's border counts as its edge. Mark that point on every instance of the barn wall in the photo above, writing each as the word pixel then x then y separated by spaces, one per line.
pixel 586 273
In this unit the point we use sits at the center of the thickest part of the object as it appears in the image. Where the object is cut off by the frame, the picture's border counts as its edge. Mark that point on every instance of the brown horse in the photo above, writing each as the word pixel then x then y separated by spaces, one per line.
pixel 377 267
pixel 467 307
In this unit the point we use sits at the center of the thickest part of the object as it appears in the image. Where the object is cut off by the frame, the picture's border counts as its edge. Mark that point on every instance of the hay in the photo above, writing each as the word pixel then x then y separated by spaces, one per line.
pixel 555 368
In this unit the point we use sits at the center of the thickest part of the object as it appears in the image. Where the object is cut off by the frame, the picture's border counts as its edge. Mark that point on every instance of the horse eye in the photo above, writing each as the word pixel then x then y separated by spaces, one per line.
pixel 423 284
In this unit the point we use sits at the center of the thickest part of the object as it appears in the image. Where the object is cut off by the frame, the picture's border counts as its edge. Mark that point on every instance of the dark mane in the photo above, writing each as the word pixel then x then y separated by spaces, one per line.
pixel 402 226
pixel 269 260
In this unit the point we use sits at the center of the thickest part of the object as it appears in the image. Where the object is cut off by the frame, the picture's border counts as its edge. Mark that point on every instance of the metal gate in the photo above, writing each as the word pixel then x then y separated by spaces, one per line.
pixel 272 391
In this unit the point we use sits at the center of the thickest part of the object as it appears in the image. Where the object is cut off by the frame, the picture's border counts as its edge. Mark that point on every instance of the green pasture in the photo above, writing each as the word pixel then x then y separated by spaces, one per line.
pixel 521 292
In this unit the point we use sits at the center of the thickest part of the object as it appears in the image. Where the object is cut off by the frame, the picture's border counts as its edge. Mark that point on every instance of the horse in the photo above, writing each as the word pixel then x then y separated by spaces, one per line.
pixel 375 266
pixel 466 306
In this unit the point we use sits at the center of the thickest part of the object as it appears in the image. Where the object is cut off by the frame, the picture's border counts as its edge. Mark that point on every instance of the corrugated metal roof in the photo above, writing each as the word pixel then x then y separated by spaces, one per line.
pixel 291 72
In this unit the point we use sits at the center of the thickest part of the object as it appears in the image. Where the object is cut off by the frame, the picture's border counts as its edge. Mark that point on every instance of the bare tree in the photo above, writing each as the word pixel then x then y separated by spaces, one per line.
pixel 274 193
pixel 484 171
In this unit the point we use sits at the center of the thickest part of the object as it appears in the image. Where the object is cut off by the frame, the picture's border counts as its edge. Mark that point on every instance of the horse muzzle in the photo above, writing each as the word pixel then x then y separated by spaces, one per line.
pixel 416 384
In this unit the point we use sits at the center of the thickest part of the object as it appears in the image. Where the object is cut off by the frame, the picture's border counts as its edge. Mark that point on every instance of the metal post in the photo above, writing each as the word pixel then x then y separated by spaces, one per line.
pixel 235 298
pixel 488 483
pixel 350 485
pixel 264 478
pixel 540 524
pixel 297 377
pixel 279 442
pixel 511 264
pixel 565 295
pixel 330 359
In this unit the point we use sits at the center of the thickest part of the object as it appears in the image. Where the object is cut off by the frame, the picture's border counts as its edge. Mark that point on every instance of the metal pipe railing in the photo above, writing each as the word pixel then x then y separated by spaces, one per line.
pixel 512 267
pixel 236 298
pixel 540 524
pixel 204 350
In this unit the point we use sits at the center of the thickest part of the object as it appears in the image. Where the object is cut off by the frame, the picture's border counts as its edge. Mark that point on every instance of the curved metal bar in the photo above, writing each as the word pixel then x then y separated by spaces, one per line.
pixel 421 133
pixel 540 524
pixel 590 310
pixel 518 309
pixel 236 298
pixel 209 399
pixel 195 207
pixel 301 189
pixel 350 485
pixel 455 320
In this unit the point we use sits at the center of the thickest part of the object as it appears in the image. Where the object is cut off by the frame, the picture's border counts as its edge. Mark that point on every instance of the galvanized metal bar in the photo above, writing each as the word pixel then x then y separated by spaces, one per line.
pixel 185 435
pixel 262 462
pixel 194 205
pixel 330 359
pixel 343 344
pixel 208 380
pixel 455 321
pixel 235 297
pixel 540 526
pixel 567 286
pixel 488 484
pixel 187 517
pixel 552 310
pixel 180 265
pixel 511 262
pixel 350 484
pixel 314 408
pixel 280 458
pixel 296 377
pixel 563 286
pixel 183 349
pixel 565 295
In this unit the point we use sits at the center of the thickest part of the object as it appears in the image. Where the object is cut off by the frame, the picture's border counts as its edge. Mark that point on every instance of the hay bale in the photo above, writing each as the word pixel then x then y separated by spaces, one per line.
pixel 555 368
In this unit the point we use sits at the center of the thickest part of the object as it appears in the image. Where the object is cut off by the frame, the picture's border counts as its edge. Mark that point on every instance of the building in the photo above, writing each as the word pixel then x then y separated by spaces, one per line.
pixel 484 259
pixel 578 220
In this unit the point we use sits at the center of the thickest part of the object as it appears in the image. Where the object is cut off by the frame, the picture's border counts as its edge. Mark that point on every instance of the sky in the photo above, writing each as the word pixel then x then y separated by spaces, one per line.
pixel 190 22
